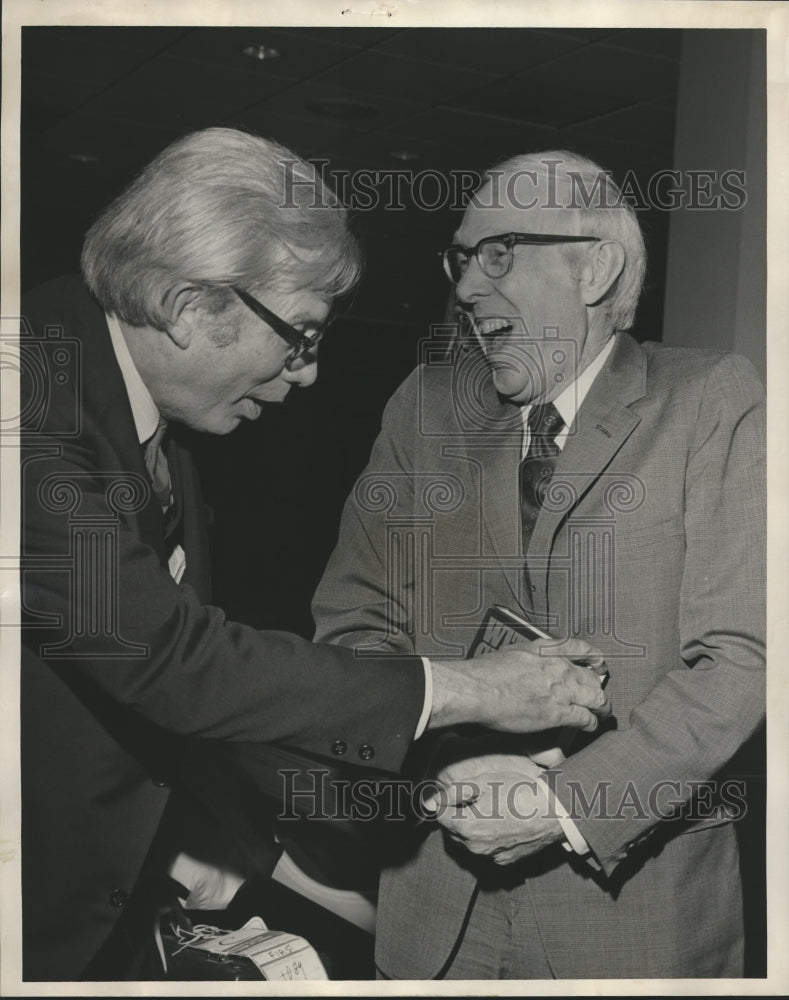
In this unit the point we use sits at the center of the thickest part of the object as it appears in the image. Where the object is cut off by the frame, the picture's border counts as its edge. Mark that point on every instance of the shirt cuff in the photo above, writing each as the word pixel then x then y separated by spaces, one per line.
pixel 427 708
pixel 210 886
pixel 574 842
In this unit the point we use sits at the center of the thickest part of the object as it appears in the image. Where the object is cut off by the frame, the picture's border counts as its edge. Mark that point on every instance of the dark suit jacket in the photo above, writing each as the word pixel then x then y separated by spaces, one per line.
pixel 651 546
pixel 120 664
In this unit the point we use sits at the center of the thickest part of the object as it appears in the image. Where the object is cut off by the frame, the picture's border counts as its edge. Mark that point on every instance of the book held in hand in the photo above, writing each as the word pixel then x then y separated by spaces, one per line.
pixel 500 628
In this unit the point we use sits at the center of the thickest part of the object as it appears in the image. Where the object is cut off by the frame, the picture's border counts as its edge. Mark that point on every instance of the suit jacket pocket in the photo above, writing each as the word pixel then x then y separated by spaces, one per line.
pixel 649 534
pixel 694 826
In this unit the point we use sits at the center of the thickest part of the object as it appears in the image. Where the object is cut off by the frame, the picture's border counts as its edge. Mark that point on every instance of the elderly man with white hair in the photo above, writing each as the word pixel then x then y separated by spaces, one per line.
pixel 603 490
pixel 207 285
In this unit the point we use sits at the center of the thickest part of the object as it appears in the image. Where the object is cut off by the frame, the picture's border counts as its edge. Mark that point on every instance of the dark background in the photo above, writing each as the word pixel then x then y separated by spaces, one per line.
pixel 98 103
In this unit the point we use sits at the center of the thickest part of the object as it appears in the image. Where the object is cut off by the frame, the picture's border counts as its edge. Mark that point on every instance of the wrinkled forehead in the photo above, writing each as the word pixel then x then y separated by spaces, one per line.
pixel 524 202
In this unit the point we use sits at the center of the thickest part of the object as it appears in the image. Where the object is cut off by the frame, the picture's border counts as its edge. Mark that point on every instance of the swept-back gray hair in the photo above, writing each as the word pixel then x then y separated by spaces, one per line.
pixel 218 207
pixel 595 207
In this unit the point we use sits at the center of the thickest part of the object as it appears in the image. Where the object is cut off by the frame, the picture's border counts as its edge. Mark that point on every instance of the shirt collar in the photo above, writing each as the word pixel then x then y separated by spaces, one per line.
pixel 568 402
pixel 144 410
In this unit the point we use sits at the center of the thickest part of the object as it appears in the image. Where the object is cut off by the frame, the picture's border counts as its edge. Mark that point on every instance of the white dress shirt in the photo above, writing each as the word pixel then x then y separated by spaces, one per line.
pixel 145 414
pixel 144 411
pixel 568 402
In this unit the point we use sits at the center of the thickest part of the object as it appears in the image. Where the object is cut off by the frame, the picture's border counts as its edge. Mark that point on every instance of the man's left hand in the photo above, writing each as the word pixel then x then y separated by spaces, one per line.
pixel 495 806
pixel 209 886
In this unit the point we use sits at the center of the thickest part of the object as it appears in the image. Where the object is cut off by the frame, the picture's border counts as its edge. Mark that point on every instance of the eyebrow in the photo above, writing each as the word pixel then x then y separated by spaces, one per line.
pixel 303 317
pixel 308 319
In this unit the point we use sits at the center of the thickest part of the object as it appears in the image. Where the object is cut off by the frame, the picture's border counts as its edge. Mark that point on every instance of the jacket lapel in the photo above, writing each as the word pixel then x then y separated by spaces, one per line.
pixel 107 399
pixel 602 425
pixel 493 447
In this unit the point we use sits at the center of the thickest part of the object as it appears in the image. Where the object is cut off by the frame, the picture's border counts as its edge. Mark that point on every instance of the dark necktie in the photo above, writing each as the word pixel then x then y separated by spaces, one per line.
pixel 156 464
pixel 538 465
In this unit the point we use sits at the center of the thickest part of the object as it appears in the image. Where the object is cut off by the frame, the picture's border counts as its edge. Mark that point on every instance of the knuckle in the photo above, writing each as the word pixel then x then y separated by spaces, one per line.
pixel 584 719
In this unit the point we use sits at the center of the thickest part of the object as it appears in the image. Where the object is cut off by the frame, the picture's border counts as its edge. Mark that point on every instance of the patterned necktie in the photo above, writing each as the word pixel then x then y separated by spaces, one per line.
pixel 156 464
pixel 538 465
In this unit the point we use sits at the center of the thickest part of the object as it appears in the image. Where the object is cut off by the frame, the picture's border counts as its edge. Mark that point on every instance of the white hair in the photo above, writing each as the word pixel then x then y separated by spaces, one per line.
pixel 218 208
pixel 595 207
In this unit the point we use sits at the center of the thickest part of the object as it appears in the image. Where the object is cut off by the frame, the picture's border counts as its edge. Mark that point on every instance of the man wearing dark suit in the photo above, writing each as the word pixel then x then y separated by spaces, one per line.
pixel 607 491
pixel 131 680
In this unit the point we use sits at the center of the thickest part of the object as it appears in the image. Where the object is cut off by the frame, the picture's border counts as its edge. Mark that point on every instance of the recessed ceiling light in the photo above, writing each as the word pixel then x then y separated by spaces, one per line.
pixel 261 52
pixel 406 155
pixel 340 107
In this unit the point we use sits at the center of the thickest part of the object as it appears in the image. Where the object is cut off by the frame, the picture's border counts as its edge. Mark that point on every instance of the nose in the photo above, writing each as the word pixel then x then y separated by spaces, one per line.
pixel 303 371
pixel 473 285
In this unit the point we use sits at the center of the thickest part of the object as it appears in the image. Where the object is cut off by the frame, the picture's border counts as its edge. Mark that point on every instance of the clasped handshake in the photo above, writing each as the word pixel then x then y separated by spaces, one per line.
pixel 496 804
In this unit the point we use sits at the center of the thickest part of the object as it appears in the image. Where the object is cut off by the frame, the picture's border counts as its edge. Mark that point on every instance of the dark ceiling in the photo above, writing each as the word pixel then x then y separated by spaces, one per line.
pixel 457 97
pixel 99 102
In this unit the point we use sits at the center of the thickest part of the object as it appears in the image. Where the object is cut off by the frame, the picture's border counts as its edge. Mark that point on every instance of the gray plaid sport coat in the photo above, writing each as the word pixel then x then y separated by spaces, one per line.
pixel 651 545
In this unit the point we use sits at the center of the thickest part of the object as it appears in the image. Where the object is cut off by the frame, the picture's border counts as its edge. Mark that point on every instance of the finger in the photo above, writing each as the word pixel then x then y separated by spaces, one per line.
pixel 456 823
pixel 431 803
pixel 508 857
pixel 577 649
pixel 594 662
pixel 454 818
pixel 585 689
pixel 478 847
pixel 580 718
pixel 604 710
pixel 460 793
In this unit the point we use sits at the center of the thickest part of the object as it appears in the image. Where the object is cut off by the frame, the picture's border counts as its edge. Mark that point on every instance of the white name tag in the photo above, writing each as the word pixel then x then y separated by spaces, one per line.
pixel 177 563
pixel 277 954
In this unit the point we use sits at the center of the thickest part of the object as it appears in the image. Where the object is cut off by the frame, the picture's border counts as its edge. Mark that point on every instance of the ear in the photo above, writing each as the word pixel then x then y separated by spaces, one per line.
pixel 181 305
pixel 608 261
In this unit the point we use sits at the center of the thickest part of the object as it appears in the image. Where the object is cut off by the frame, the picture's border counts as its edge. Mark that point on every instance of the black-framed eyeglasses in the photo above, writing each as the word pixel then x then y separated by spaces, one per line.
pixel 300 343
pixel 494 253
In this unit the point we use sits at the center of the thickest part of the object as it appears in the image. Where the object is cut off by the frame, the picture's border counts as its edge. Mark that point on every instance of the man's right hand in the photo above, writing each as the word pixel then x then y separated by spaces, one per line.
pixel 522 690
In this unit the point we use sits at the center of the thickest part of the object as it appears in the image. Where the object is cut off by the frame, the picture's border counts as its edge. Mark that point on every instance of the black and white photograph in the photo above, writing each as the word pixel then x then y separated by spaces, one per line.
pixel 386 573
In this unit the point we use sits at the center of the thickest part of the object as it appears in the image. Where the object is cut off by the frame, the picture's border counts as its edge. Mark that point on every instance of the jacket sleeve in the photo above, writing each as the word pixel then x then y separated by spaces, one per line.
pixel 694 719
pixel 358 603
pixel 150 645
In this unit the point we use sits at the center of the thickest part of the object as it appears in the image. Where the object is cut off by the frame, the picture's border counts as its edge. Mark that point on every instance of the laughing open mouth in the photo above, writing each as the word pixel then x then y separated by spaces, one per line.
pixel 492 326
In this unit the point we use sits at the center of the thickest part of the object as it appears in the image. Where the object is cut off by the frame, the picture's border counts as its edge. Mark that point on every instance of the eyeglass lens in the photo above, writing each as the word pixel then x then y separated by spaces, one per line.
pixel 494 259
pixel 305 350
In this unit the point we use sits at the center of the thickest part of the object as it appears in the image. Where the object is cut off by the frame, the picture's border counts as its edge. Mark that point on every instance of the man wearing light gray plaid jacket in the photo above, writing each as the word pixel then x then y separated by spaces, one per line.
pixel 620 859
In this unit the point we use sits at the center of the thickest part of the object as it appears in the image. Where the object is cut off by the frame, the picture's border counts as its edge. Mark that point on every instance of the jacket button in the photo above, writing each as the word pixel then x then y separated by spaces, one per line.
pixel 338 748
pixel 119 898
pixel 366 752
